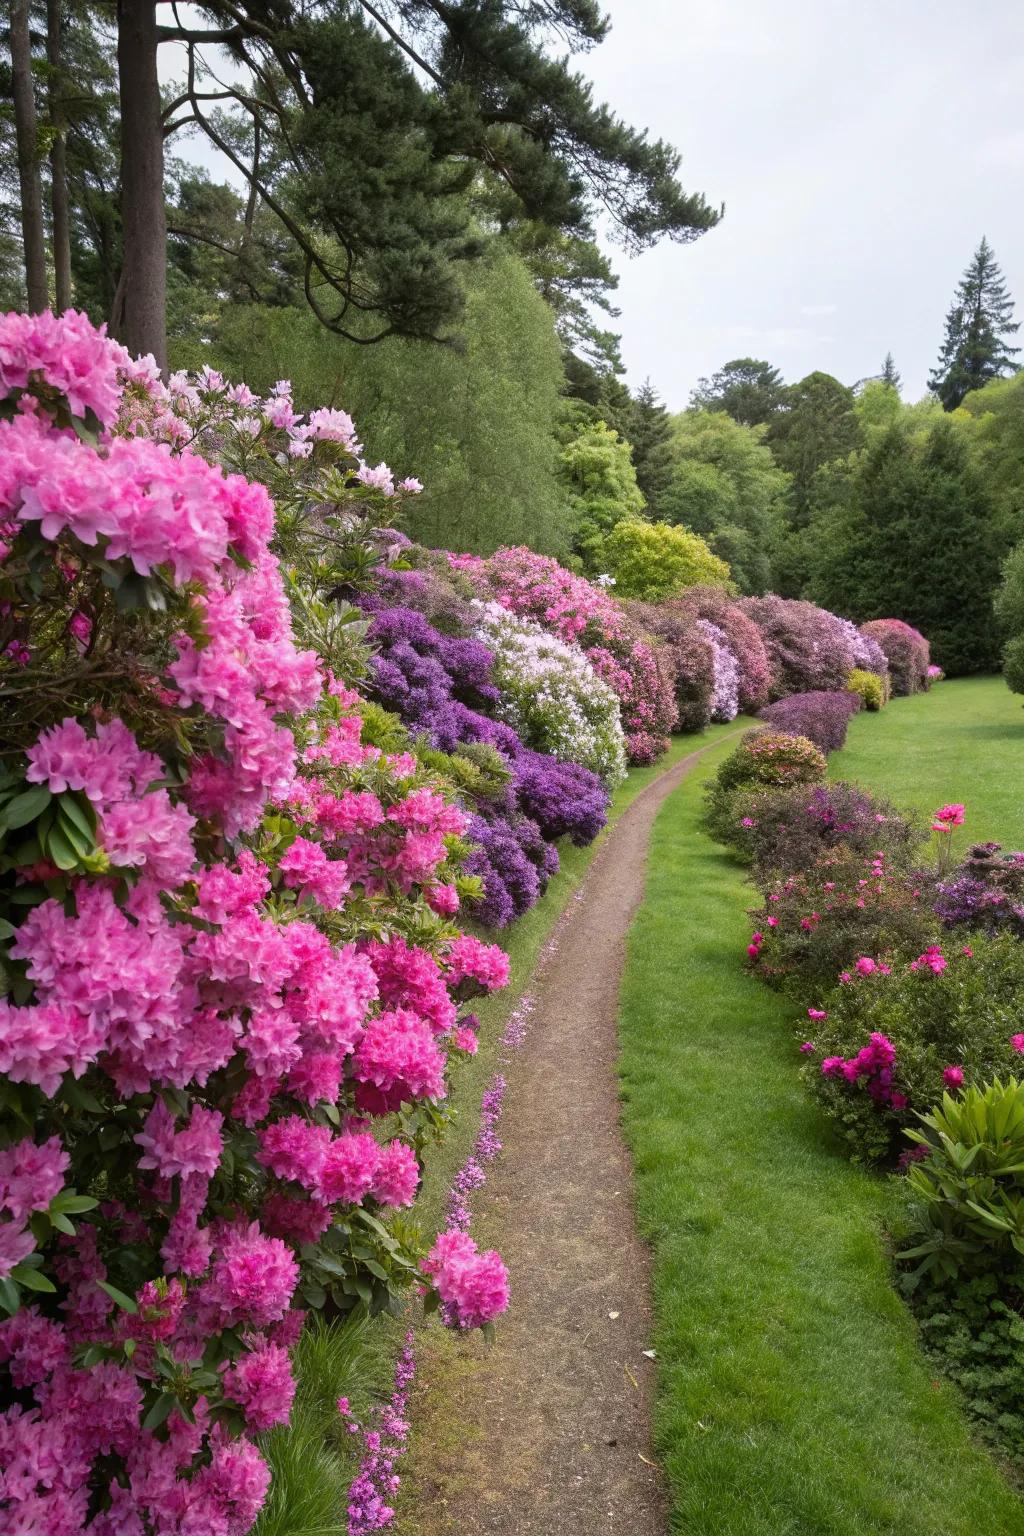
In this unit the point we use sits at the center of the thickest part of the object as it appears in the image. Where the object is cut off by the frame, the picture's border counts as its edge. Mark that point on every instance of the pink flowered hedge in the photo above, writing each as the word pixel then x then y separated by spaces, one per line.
pixel 231 989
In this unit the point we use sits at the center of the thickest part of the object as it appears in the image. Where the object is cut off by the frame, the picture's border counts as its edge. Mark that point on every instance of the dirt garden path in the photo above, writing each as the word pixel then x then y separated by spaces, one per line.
pixel 548 1434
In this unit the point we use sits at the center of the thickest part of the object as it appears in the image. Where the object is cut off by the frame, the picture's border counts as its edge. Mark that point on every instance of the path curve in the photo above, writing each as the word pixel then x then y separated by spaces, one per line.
pixel 557 1415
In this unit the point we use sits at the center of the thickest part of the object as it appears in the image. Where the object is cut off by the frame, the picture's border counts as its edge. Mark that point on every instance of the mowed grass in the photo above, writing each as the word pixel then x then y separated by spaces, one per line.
pixel 793 1396
pixel 962 741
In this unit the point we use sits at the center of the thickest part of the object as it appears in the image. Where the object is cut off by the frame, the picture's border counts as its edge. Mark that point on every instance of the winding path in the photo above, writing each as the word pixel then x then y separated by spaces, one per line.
pixel 555 1420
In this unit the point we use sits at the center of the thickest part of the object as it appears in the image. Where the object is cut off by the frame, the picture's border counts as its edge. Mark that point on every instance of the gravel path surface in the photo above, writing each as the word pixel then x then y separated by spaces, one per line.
pixel 548 1433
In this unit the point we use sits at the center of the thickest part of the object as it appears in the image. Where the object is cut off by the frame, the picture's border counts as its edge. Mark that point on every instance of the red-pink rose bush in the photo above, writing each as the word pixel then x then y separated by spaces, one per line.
pixel 231 986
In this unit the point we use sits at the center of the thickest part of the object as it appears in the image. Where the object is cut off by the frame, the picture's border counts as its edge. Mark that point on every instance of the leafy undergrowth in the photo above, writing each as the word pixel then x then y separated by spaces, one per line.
pixel 794 1397
pixel 313 1463
pixel 962 741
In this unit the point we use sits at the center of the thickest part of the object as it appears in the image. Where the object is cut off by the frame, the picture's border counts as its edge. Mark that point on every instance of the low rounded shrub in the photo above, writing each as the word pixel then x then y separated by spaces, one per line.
pixel 985 892
pixel 780 832
pixel 821 717
pixel 762 758
pixel 869 688
pixel 906 651
pixel 949 1018
pixel 815 925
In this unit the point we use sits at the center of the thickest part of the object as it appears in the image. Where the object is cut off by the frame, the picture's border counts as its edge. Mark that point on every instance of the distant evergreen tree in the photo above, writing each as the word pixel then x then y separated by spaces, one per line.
pixel 909 530
pixel 978 325
pixel 890 373
pixel 747 389
pixel 649 432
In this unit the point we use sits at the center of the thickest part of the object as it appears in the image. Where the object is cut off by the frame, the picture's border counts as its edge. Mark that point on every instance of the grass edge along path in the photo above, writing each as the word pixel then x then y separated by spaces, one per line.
pixel 793 1397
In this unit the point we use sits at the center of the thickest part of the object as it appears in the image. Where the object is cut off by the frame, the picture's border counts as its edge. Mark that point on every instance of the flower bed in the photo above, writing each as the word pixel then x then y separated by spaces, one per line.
pixel 232 1001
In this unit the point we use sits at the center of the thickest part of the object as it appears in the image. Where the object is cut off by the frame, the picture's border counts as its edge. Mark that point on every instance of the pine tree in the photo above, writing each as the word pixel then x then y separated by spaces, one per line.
pixel 978 326
pixel 890 373
pixel 649 432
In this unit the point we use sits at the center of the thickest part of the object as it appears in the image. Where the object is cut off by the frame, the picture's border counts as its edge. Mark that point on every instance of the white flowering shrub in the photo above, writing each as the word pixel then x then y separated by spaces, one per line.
pixel 552 696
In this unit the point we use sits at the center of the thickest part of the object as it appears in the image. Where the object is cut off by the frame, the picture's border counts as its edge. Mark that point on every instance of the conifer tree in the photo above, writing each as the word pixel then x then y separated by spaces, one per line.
pixel 649 432
pixel 978 326
pixel 890 373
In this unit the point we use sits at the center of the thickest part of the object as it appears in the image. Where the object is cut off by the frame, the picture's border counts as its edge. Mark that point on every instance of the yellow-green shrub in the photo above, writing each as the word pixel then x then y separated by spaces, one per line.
pixel 869 685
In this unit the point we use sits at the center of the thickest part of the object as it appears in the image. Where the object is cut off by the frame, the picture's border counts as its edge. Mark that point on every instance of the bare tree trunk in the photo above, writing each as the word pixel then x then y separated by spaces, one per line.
pixel 23 91
pixel 140 317
pixel 58 162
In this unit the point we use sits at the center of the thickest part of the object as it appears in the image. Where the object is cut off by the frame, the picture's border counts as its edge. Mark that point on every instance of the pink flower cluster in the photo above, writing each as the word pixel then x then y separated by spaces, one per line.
pixel 872 1068
pixel 219 1000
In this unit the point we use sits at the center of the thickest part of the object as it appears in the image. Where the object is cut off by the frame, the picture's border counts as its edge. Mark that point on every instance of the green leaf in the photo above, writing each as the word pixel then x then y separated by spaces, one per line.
pixel 70 1204
pixel 10 1296
pixel 63 1224
pixel 126 1303
pixel 160 1411
pixel 60 850
pixel 32 1279
pixel 26 806
pixel 78 809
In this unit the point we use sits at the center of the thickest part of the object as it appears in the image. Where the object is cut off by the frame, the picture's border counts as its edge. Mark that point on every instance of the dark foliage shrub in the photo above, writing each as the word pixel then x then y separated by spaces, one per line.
pixel 906 651
pixel 742 635
pixel 986 892
pixel 950 1016
pixel 808 647
pixel 975 1338
pixel 821 717
pixel 690 656
pixel 783 831
pixel 815 925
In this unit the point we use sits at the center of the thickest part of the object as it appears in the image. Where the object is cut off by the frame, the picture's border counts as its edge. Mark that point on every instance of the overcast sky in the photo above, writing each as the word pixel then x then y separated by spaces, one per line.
pixel 861 150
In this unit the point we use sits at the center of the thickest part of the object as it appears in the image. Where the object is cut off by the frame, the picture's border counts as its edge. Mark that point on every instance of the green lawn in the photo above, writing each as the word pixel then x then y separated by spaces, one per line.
pixel 963 741
pixel 793 1397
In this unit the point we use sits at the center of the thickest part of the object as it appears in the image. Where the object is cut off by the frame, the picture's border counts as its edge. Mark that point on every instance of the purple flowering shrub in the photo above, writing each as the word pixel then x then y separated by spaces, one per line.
pixel 821 717
pixel 690 655
pixel 949 1018
pixel 906 651
pixel 985 892
pixel 742 636
pixel 441 685
pixel 780 831
pixel 809 648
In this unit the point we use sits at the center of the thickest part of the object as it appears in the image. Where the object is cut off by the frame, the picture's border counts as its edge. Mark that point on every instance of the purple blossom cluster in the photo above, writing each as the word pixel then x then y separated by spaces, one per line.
pixel 440 684
pixel 986 892
pixel 377 1481
pixel 725 696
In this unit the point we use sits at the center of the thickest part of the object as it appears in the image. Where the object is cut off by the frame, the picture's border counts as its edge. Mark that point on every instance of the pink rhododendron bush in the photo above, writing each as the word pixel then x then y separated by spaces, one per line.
pixel 232 980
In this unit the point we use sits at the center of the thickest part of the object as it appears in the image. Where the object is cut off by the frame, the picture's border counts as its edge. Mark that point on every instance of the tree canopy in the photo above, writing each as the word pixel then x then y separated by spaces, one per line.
pixel 747 389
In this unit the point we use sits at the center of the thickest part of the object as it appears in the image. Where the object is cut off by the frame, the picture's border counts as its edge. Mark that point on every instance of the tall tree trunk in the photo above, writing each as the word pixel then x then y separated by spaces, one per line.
pixel 58 161
pixel 140 309
pixel 23 91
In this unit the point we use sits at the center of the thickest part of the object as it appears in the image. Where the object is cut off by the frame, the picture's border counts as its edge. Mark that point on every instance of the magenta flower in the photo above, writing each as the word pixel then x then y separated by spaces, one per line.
pixel 953 1077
